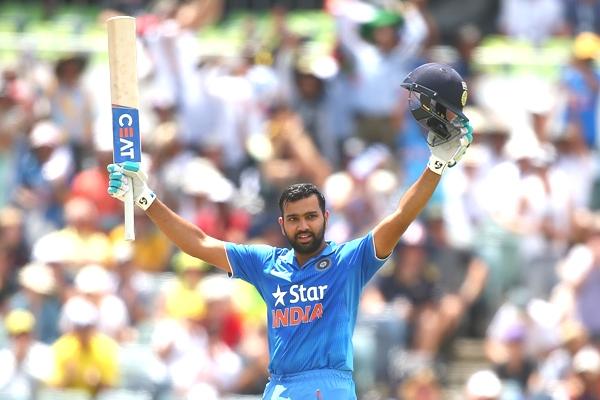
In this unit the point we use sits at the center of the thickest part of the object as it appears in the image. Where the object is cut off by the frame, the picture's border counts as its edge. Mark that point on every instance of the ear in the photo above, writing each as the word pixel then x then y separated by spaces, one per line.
pixel 280 220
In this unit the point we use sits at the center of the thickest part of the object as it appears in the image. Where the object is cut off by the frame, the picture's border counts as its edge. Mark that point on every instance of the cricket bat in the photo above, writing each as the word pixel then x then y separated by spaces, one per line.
pixel 122 60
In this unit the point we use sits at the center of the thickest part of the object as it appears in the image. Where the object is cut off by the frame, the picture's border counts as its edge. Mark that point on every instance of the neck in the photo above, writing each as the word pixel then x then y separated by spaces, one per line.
pixel 302 258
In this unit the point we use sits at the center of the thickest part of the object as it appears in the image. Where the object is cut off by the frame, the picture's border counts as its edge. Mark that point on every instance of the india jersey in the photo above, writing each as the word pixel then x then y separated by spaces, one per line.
pixel 311 310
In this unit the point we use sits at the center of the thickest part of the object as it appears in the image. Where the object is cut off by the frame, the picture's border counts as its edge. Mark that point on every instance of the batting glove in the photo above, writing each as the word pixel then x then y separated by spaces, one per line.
pixel 449 153
pixel 118 186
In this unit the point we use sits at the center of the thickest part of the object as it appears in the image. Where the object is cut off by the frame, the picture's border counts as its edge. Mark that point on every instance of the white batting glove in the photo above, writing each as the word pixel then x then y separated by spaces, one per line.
pixel 449 153
pixel 118 185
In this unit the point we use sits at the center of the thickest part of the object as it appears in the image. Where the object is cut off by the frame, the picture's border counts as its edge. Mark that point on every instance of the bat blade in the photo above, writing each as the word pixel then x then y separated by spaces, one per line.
pixel 125 101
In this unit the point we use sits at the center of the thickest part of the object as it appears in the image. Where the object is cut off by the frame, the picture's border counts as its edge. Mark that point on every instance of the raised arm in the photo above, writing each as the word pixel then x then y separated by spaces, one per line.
pixel 185 235
pixel 388 232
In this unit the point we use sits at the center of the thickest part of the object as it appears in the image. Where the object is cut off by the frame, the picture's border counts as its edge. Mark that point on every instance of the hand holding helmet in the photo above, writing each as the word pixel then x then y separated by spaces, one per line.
pixel 437 95
pixel 447 154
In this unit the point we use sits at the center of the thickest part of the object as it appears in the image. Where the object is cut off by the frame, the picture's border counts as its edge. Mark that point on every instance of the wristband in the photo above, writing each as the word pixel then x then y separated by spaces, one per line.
pixel 436 164
pixel 144 200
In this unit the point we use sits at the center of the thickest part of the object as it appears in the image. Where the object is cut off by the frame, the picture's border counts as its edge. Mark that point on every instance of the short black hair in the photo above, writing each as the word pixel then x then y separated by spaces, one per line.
pixel 299 191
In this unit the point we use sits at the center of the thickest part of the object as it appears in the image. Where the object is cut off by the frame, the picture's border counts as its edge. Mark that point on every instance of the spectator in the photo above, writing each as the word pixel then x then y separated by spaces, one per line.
pixel 212 205
pixel 42 177
pixel 586 364
pixel 581 81
pixel 291 154
pixel 71 107
pixel 15 122
pixel 518 368
pixel 462 277
pixel 382 51
pixel 25 364
pixel 81 240
pixel 12 235
pixel 308 77
pixel 38 294
pixel 136 288
pixel 579 274
pixel 179 296
pixel 84 358
pixel 90 182
pixel 94 283
pixel 151 249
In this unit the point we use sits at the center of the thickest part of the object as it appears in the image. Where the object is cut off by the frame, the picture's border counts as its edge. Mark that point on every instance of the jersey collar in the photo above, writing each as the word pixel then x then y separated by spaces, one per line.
pixel 290 257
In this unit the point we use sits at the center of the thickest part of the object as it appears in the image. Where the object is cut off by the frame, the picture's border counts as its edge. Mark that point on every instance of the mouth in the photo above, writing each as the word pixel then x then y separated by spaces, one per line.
pixel 304 237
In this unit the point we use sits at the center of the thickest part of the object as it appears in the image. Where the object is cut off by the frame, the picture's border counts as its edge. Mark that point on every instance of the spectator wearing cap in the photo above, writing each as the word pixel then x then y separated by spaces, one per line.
pixel 179 298
pixel 94 283
pixel 38 294
pixel 42 176
pixel 71 106
pixel 84 358
pixel 25 364
pixel 382 46
pixel 211 203
pixel 518 368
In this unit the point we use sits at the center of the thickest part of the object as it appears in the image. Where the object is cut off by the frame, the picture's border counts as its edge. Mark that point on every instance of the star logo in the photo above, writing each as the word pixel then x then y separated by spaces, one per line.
pixel 279 296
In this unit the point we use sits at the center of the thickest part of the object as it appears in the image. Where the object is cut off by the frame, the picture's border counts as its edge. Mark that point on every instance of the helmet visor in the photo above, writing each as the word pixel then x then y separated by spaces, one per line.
pixel 434 117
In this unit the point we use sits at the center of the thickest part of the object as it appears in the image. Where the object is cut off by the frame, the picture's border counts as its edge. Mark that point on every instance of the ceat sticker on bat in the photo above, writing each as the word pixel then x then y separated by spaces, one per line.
pixel 126 135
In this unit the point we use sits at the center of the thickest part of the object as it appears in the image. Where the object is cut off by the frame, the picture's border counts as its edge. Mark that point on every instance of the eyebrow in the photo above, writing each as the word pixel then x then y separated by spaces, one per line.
pixel 305 214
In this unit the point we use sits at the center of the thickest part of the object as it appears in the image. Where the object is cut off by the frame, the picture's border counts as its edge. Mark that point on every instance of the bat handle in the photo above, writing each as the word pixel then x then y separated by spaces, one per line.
pixel 129 210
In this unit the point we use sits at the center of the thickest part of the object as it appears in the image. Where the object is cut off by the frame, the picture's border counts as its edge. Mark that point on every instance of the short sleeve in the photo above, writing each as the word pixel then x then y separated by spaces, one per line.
pixel 248 261
pixel 366 258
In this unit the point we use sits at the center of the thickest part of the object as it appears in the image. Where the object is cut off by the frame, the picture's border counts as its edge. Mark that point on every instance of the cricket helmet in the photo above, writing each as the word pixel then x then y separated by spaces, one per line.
pixel 437 95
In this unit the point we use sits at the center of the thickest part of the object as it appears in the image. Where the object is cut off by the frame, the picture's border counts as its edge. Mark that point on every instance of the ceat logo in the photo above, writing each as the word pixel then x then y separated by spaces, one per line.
pixel 295 315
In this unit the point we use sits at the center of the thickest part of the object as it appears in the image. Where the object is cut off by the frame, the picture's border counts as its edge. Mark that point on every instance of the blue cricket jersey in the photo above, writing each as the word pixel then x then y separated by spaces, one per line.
pixel 311 310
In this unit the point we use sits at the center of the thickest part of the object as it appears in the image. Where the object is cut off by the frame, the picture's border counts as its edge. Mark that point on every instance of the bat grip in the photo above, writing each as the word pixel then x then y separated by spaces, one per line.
pixel 128 211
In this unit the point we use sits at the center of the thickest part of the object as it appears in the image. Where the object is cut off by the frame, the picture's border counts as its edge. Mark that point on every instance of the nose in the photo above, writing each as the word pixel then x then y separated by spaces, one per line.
pixel 303 225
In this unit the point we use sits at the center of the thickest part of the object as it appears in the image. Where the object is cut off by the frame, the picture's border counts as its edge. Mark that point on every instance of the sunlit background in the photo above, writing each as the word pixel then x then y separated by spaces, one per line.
pixel 492 294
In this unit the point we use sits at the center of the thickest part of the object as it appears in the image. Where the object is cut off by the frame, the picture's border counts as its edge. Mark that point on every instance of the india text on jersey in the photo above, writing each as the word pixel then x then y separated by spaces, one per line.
pixel 289 316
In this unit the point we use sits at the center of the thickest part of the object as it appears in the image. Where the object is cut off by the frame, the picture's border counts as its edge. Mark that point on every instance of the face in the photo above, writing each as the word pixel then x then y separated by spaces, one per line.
pixel 303 224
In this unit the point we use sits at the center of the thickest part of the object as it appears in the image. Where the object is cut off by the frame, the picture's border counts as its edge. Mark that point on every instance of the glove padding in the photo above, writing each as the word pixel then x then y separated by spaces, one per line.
pixel 118 185
pixel 449 153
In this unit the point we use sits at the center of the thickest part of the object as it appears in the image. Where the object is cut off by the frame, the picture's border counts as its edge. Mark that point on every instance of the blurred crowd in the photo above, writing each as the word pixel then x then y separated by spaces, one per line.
pixel 508 251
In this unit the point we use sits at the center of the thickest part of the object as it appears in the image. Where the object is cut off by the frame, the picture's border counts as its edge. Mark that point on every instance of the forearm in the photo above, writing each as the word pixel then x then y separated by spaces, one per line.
pixel 389 231
pixel 187 236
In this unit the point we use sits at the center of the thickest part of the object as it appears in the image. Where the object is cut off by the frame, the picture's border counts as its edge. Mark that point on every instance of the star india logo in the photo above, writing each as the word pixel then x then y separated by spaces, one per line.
pixel 304 305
